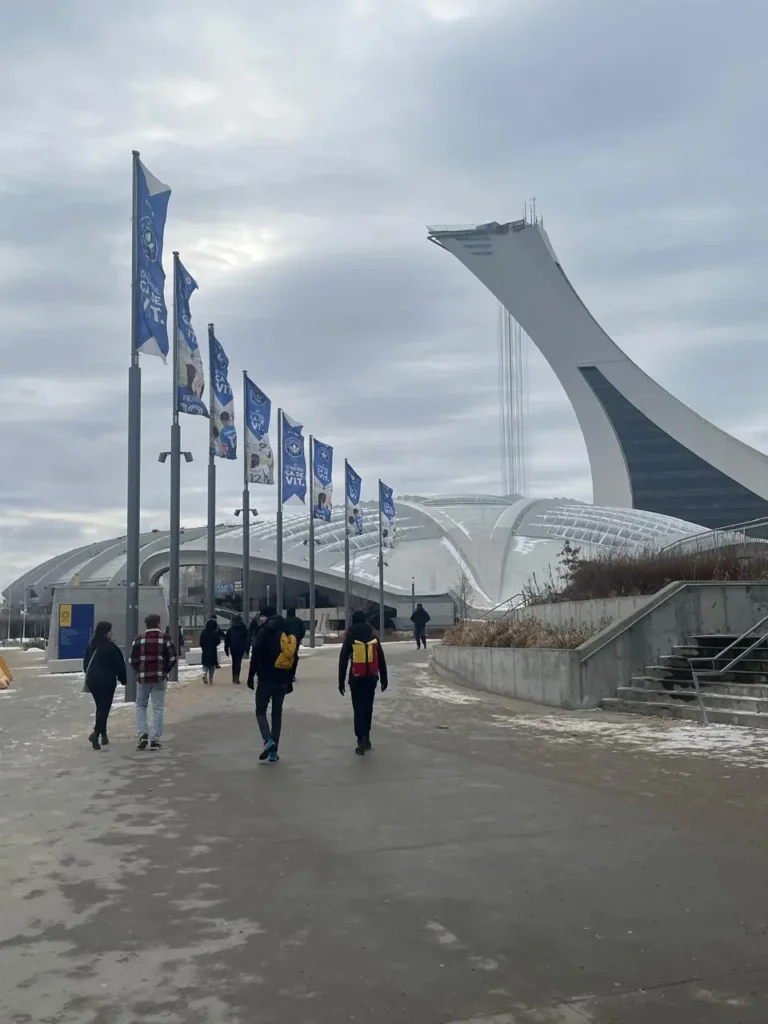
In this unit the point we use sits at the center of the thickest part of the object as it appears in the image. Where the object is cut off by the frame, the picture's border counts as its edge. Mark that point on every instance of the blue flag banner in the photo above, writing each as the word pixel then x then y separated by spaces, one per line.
pixel 322 471
pixel 294 462
pixel 259 457
pixel 354 485
pixel 190 382
pixel 387 504
pixel 388 511
pixel 223 432
pixel 149 224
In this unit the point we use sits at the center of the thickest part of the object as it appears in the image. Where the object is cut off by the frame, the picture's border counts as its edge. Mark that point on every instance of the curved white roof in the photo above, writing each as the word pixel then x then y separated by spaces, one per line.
pixel 499 542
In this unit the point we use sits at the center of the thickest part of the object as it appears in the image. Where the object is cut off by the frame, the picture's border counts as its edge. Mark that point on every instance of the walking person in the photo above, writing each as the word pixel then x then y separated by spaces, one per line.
pixel 210 638
pixel 420 618
pixel 153 656
pixel 104 666
pixel 363 655
pixel 273 663
pixel 236 645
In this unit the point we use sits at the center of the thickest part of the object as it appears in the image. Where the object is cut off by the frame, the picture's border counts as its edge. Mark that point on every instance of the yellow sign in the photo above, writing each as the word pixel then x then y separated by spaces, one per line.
pixel 65 614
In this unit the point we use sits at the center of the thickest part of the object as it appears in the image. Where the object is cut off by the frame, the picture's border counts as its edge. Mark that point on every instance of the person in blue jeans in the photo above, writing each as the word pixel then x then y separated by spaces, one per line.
pixel 152 658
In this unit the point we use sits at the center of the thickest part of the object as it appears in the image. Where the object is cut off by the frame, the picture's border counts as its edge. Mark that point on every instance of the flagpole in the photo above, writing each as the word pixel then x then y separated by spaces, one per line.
pixel 133 502
pixel 246 602
pixel 279 559
pixel 381 569
pixel 175 524
pixel 347 587
pixel 311 541
pixel 210 575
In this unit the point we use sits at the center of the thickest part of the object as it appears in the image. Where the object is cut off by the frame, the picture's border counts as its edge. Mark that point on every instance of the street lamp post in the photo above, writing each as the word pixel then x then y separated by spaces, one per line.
pixel 246 594
pixel 175 544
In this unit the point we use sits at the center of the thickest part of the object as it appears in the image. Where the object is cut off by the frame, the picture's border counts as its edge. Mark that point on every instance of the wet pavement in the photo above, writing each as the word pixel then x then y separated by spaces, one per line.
pixel 464 872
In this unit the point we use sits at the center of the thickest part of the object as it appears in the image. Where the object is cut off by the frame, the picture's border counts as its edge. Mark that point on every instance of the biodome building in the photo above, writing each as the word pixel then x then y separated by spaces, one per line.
pixel 479 548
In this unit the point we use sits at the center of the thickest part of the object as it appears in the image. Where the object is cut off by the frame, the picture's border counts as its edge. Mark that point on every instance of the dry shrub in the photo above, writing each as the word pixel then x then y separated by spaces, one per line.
pixel 525 632
pixel 614 574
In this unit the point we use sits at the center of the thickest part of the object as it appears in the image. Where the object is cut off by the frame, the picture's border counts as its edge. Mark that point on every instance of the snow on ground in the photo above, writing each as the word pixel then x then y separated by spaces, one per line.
pixel 731 744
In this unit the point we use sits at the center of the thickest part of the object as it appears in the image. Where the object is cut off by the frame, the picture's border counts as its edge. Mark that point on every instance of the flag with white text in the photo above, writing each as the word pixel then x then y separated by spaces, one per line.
pixel 149 292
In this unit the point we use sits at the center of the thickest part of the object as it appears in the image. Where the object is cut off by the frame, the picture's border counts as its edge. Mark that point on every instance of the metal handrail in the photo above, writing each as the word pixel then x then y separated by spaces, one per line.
pixel 735 528
pixel 726 668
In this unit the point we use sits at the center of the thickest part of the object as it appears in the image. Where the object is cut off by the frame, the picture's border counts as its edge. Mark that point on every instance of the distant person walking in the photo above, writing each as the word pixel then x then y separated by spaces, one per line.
pixel 236 645
pixel 420 618
pixel 152 659
pixel 104 666
pixel 273 664
pixel 210 638
pixel 363 655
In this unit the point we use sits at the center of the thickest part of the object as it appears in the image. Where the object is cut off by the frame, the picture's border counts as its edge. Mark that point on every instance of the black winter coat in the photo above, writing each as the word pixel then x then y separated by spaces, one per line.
pixel 265 651
pixel 106 664
pixel 296 627
pixel 209 646
pixel 236 639
pixel 420 618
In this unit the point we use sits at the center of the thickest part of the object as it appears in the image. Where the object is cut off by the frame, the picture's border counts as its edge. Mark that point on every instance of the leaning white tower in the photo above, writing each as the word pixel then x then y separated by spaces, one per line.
pixel 646 449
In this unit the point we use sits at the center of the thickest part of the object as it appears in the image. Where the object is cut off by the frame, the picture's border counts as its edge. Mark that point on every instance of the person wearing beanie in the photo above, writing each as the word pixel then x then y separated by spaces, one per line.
pixel 361 666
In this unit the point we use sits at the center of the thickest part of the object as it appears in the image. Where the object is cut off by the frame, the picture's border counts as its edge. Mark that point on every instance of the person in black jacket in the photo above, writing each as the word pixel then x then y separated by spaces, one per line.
pixel 236 645
pixel 420 618
pixel 272 683
pixel 210 639
pixel 362 687
pixel 104 667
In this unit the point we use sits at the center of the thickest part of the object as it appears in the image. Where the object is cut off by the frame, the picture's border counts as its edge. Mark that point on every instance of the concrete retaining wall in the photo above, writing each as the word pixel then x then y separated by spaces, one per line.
pixel 597 613
pixel 584 677
pixel 543 676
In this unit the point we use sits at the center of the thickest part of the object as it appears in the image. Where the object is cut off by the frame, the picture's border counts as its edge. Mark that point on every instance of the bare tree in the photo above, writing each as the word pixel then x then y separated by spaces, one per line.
pixel 465 592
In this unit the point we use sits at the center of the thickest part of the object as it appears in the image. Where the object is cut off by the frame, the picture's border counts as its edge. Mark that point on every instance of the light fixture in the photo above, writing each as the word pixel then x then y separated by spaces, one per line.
pixel 162 457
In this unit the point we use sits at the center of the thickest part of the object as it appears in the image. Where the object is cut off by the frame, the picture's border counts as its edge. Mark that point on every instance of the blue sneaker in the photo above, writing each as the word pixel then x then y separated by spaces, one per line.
pixel 273 756
pixel 269 746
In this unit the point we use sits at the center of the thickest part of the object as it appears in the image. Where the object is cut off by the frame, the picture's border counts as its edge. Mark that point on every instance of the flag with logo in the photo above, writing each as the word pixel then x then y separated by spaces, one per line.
pixel 387 504
pixel 322 473
pixel 354 485
pixel 190 382
pixel 149 292
pixel 294 462
pixel 223 431
pixel 259 457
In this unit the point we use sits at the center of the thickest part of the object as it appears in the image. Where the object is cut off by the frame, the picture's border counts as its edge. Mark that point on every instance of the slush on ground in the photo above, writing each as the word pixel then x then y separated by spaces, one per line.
pixel 485 863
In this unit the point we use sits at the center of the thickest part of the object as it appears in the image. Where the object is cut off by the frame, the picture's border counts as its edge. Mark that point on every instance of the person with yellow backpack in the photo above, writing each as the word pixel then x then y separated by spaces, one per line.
pixel 273 663
pixel 363 655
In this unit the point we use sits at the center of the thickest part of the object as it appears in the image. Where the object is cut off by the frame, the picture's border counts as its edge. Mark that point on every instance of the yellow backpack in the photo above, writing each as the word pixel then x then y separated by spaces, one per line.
pixel 287 655
pixel 365 659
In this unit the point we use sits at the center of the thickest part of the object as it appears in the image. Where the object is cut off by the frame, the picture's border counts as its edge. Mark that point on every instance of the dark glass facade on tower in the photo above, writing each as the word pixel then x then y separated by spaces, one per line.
pixel 665 476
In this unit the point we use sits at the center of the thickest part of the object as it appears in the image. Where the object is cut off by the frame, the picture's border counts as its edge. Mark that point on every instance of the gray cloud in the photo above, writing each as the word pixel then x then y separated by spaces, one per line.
pixel 307 146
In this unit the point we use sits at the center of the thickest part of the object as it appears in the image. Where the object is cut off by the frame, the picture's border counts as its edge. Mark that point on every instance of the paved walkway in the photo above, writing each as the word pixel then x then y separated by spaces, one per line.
pixel 473 868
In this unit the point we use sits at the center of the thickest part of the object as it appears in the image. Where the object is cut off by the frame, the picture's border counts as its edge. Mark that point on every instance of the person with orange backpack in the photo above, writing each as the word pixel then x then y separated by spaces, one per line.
pixel 273 664
pixel 363 655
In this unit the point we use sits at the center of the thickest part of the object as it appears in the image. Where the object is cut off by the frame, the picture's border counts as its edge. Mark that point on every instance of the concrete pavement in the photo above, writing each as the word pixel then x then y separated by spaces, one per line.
pixel 461 872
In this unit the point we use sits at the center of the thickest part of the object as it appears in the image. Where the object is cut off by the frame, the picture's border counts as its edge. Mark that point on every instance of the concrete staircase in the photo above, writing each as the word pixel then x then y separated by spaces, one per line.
pixel 738 697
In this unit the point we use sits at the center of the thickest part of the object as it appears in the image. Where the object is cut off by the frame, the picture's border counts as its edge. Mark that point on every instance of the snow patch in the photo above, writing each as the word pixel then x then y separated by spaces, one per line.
pixel 444 694
pixel 747 748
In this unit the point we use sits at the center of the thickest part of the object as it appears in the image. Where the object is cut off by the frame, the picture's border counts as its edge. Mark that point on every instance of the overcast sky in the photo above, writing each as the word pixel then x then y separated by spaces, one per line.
pixel 308 143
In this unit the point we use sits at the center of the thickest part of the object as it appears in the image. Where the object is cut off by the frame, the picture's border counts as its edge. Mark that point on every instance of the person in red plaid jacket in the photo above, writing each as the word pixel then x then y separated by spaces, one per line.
pixel 152 658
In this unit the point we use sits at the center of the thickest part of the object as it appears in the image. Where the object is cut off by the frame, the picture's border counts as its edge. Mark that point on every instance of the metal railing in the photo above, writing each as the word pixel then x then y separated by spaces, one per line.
pixel 720 672
pixel 753 531
pixel 519 598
